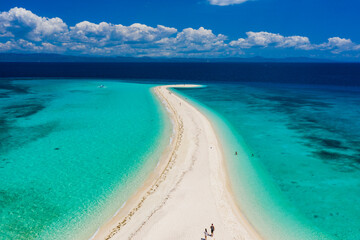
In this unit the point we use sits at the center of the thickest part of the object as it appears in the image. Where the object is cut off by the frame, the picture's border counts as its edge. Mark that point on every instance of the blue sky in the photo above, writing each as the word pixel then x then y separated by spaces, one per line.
pixel 186 28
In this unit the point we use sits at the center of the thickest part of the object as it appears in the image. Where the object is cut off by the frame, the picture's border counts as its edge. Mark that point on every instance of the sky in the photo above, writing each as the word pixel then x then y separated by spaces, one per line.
pixel 183 28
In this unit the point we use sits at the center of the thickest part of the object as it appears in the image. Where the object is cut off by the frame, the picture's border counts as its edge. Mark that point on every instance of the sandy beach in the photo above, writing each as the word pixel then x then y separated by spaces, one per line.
pixel 188 191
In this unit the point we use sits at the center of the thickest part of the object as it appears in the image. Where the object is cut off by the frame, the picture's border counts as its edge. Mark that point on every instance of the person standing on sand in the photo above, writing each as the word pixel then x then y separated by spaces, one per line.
pixel 206 233
pixel 212 228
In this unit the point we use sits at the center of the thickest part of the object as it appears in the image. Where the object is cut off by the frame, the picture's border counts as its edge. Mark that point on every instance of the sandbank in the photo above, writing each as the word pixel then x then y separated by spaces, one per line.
pixel 188 190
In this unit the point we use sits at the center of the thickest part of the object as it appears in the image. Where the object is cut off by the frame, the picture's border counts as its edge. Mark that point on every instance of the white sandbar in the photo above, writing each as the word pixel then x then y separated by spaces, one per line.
pixel 188 190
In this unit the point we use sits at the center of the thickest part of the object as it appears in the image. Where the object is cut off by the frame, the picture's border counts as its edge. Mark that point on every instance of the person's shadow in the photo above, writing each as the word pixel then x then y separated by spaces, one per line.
pixel 208 238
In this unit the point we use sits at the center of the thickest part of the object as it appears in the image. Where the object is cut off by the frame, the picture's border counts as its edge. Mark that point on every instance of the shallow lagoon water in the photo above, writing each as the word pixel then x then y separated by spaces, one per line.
pixel 72 153
pixel 68 149
pixel 298 171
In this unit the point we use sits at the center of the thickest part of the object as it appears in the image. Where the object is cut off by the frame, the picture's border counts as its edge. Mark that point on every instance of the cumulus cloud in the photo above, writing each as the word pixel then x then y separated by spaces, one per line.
pixel 264 39
pixel 27 46
pixel 296 42
pixel 23 31
pixel 194 40
pixel 107 32
pixel 7 46
pixel 226 2
pixel 338 45
pixel 21 23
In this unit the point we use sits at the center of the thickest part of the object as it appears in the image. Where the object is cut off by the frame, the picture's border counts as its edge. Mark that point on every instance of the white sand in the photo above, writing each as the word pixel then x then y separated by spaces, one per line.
pixel 188 190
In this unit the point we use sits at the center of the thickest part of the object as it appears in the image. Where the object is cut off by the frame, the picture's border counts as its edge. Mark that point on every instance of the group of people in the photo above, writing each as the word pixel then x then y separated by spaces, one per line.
pixel 211 234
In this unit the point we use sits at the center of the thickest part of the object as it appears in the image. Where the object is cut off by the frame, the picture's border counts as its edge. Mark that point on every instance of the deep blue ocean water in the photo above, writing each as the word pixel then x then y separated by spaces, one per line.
pixel 297 124
pixel 344 74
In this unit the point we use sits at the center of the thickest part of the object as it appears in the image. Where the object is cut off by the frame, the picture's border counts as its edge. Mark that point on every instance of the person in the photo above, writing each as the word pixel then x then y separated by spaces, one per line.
pixel 235 153
pixel 206 233
pixel 212 228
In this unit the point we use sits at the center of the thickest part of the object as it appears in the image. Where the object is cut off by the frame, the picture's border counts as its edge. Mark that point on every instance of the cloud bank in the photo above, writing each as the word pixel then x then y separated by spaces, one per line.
pixel 23 31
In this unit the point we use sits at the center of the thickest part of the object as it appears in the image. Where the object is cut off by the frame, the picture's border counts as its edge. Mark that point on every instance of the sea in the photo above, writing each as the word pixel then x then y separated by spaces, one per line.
pixel 72 153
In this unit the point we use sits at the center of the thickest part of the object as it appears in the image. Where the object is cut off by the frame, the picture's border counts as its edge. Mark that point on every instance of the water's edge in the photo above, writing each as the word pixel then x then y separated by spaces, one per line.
pixel 256 196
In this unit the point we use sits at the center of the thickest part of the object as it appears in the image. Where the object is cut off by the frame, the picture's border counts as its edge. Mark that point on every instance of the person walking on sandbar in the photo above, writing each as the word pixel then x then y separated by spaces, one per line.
pixel 206 233
pixel 212 228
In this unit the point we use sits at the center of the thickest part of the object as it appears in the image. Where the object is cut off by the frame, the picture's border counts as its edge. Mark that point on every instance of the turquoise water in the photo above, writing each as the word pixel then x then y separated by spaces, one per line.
pixel 297 172
pixel 72 153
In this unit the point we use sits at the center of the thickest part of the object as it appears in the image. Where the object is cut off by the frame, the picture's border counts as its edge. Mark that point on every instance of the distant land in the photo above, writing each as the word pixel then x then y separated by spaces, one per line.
pixel 41 57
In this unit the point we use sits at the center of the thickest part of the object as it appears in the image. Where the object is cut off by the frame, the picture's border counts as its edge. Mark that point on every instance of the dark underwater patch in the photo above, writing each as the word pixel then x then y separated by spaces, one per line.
pixel 23 110
pixel 15 88
pixel 15 137
pixel 327 155
pixel 293 101
pixel 309 119
pixel 328 142
pixel 355 158
pixel 4 95
pixel 343 162
pixel 307 116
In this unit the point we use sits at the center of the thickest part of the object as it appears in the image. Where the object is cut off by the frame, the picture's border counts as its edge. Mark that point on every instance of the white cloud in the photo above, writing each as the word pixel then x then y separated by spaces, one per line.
pixel 190 40
pixel 21 45
pixel 23 31
pixel 48 47
pixel 19 22
pixel 340 42
pixel 338 45
pixel 264 39
pixel 226 2
pixel 7 46
pixel 295 42
pixel 107 33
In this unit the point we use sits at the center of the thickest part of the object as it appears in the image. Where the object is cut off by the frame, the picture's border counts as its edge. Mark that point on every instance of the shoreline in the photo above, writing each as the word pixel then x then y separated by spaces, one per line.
pixel 188 190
